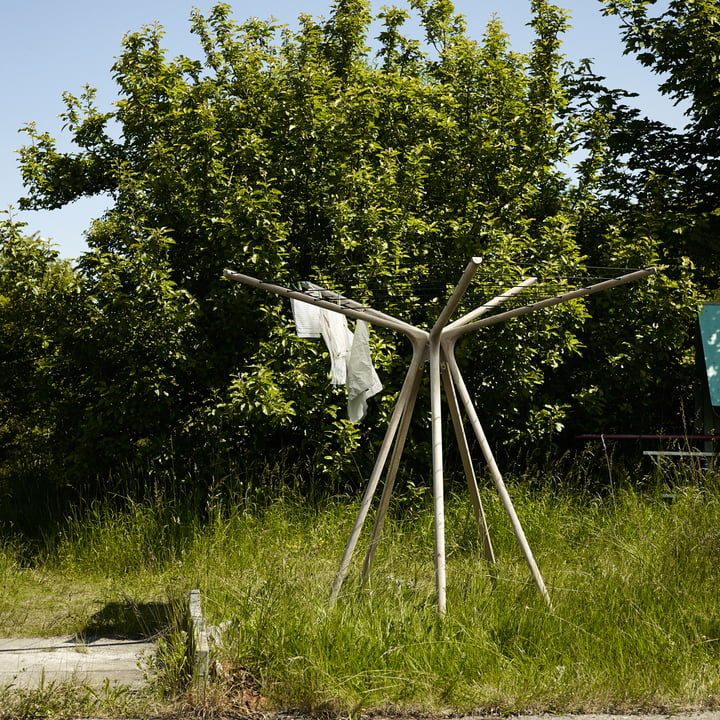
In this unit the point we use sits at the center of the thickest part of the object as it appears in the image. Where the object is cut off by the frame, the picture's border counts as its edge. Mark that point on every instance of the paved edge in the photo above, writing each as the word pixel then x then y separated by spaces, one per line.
pixel 32 662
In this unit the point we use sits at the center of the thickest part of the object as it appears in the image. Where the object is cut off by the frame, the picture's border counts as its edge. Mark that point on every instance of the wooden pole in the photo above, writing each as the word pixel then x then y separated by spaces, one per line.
pixel 436 430
pixel 437 467
pixel 404 399
pixel 456 297
pixel 496 476
pixel 343 306
pixel 390 478
pixel 478 312
pixel 462 443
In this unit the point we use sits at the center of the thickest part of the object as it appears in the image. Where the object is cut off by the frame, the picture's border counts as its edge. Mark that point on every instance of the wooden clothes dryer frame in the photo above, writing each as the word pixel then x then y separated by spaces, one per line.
pixel 436 348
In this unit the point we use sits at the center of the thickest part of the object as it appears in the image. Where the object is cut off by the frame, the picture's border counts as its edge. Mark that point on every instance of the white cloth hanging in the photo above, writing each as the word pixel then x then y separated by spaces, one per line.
pixel 362 379
pixel 338 338
pixel 307 319
pixel 350 359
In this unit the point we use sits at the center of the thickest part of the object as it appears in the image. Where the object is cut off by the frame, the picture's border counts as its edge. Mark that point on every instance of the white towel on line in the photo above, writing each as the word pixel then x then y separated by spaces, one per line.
pixel 362 379
pixel 307 319
pixel 338 338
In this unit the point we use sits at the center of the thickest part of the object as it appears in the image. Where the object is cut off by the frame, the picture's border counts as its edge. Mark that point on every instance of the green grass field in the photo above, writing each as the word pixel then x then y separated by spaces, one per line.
pixel 634 580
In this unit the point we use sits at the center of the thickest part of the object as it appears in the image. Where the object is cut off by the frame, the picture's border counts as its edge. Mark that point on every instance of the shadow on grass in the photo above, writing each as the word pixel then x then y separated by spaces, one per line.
pixel 129 620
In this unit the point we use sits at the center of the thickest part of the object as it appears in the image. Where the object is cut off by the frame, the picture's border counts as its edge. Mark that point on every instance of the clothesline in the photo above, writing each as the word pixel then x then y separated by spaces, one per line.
pixel 436 348
pixel 350 356
pixel 484 279
pixel 404 297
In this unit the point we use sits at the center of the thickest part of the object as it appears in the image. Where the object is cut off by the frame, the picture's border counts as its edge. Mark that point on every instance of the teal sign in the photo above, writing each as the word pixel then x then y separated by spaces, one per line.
pixel 710 335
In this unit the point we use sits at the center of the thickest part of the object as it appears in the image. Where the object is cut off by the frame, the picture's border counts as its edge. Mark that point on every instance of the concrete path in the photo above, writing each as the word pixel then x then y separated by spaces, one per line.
pixel 28 662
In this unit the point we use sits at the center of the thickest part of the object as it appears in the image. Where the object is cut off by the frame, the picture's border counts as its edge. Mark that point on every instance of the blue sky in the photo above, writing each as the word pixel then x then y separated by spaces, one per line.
pixel 48 47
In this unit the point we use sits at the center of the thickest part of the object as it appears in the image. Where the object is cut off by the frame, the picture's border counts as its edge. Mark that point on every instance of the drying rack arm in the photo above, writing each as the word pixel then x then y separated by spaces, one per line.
pixel 455 332
pixel 346 307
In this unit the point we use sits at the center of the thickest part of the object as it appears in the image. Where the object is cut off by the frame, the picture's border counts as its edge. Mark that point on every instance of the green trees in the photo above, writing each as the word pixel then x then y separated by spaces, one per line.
pixel 92 362
pixel 656 187
pixel 305 155
pixel 39 296
pixel 676 174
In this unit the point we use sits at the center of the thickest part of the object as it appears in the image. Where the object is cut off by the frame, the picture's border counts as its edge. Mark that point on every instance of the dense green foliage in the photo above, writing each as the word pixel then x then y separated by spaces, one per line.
pixel 655 187
pixel 306 155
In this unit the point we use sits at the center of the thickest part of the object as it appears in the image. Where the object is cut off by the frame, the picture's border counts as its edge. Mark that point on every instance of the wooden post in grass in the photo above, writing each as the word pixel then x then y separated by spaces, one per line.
pixel 199 646
pixel 437 348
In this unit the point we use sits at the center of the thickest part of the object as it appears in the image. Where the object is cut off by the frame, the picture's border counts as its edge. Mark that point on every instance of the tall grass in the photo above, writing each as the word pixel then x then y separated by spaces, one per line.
pixel 634 622
pixel 633 577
